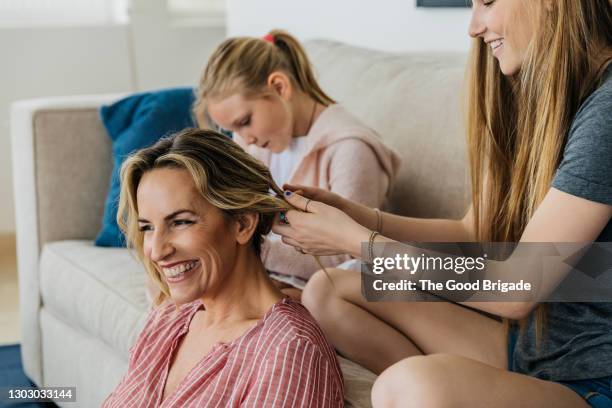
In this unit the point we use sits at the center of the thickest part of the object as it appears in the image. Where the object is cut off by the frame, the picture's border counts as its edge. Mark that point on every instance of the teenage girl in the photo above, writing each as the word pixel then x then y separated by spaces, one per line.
pixel 540 154
pixel 264 91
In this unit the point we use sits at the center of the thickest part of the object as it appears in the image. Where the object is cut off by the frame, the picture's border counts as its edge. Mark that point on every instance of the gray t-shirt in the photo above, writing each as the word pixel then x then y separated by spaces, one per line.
pixel 577 337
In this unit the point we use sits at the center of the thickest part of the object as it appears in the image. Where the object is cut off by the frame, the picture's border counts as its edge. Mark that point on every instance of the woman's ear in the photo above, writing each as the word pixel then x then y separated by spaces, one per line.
pixel 246 224
pixel 280 84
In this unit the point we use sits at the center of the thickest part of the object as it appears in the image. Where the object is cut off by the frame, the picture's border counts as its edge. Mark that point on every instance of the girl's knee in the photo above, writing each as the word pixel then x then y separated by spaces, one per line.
pixel 317 292
pixel 414 382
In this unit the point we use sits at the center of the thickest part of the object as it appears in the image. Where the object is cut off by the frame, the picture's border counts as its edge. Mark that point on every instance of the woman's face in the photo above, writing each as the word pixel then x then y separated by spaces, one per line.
pixel 189 240
pixel 265 121
pixel 504 25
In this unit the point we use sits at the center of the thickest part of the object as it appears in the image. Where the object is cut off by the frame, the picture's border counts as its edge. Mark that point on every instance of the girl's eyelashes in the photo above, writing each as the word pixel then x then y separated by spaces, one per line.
pixel 245 122
pixel 488 3
pixel 143 228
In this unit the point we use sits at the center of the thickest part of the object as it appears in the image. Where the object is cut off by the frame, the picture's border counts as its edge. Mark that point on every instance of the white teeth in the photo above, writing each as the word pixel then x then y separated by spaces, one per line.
pixel 178 269
pixel 495 44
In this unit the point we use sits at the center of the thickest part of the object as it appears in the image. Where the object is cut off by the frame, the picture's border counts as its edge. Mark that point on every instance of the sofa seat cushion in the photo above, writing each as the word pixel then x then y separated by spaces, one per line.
pixel 100 291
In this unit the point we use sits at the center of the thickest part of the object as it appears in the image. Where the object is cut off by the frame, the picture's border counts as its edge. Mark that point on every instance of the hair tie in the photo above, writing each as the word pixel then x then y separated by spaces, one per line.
pixel 269 38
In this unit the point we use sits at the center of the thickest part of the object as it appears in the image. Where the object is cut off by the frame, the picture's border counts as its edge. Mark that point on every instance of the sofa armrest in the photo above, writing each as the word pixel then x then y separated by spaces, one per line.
pixel 61 167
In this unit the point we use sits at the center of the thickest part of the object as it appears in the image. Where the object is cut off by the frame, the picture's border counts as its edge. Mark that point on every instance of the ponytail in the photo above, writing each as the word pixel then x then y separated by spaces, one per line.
pixel 300 65
pixel 243 65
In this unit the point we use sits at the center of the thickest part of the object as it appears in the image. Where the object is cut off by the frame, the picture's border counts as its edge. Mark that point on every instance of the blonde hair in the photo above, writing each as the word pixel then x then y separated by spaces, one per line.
pixel 223 173
pixel 243 64
pixel 517 126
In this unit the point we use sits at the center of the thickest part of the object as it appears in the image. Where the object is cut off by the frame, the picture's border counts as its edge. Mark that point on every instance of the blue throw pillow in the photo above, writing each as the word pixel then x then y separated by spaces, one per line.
pixel 133 123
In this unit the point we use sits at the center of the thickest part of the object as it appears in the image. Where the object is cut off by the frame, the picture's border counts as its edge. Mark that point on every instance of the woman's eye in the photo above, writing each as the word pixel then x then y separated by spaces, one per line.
pixel 144 228
pixel 488 3
pixel 183 222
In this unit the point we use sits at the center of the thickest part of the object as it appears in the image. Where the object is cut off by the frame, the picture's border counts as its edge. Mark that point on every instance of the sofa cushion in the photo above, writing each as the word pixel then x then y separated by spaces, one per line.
pixel 134 123
pixel 414 102
pixel 100 291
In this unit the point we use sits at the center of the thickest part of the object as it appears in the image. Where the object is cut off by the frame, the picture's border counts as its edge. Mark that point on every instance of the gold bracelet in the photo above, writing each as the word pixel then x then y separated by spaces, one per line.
pixel 378 220
pixel 371 246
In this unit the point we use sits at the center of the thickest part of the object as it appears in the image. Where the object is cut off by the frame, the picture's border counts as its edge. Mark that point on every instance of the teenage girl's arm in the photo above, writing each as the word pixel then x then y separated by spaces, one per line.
pixel 395 227
pixel 561 217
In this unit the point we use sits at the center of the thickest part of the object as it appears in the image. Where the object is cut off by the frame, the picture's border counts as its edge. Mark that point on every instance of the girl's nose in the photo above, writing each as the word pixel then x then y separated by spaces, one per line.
pixel 477 26
pixel 250 140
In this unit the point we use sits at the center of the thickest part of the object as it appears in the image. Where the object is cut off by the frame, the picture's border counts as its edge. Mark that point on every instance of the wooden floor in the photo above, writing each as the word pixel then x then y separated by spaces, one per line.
pixel 9 293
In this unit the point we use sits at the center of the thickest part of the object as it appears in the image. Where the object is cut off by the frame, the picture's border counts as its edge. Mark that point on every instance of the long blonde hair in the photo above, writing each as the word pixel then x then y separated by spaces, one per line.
pixel 517 126
pixel 242 65
pixel 224 175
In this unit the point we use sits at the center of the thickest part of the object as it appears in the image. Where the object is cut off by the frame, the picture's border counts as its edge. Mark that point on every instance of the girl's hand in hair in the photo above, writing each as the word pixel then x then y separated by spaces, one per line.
pixel 318 194
pixel 317 228
pixel 362 214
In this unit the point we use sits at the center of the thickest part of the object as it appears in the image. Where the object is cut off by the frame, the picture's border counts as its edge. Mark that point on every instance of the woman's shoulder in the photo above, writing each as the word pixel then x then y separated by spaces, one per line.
pixel 296 324
pixel 293 334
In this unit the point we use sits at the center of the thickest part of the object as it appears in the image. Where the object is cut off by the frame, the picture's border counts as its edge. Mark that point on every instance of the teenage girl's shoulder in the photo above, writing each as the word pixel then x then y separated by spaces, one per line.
pixel 585 169
pixel 595 113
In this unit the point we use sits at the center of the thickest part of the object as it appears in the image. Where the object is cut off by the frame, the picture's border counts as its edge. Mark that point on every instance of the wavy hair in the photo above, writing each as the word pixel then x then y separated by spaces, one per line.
pixel 224 175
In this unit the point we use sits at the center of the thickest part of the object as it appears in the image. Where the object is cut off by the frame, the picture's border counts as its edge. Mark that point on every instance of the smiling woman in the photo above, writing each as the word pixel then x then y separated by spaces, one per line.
pixel 195 208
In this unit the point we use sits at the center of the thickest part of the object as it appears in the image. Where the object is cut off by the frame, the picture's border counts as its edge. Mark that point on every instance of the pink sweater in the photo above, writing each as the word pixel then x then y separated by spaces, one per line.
pixel 344 156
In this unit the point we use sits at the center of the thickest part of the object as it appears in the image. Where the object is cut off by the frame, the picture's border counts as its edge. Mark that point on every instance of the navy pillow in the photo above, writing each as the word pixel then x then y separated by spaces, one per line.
pixel 133 123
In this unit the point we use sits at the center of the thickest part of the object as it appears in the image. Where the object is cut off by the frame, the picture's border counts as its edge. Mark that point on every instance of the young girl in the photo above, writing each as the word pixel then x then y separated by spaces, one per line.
pixel 540 143
pixel 264 91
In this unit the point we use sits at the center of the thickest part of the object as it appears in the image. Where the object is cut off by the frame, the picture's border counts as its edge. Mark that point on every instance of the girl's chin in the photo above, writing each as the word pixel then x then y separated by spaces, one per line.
pixel 508 68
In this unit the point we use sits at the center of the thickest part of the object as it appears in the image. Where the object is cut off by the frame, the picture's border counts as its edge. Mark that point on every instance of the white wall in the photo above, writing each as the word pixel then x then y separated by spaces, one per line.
pixel 54 61
pixel 168 52
pixel 38 62
pixel 392 25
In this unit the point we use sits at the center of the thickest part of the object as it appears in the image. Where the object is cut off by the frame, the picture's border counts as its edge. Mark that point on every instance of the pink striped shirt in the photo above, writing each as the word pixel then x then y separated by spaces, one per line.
pixel 283 361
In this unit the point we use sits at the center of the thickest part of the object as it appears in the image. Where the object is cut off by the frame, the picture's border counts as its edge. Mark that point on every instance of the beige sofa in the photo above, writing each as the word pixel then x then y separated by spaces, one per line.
pixel 82 306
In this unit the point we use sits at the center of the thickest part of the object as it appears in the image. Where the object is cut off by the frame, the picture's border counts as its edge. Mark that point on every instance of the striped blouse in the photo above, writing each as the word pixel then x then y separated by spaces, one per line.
pixel 283 361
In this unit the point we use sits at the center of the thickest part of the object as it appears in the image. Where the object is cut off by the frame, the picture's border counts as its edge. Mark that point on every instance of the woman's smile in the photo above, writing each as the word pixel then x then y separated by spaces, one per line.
pixel 496 46
pixel 181 272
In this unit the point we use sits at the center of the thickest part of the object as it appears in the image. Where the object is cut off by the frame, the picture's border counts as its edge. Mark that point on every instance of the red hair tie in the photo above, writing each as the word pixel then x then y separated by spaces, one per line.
pixel 269 38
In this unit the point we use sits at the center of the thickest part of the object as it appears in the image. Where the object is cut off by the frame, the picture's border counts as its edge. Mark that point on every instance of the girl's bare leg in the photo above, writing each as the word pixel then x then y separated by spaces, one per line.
pixel 379 334
pixel 443 380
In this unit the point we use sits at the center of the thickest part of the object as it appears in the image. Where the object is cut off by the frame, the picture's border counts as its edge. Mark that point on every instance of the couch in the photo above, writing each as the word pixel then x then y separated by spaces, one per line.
pixel 82 306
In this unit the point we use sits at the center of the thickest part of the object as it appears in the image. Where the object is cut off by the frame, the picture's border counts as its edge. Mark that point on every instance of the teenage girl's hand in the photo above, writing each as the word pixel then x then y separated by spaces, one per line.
pixel 320 229
pixel 318 194
pixel 362 214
